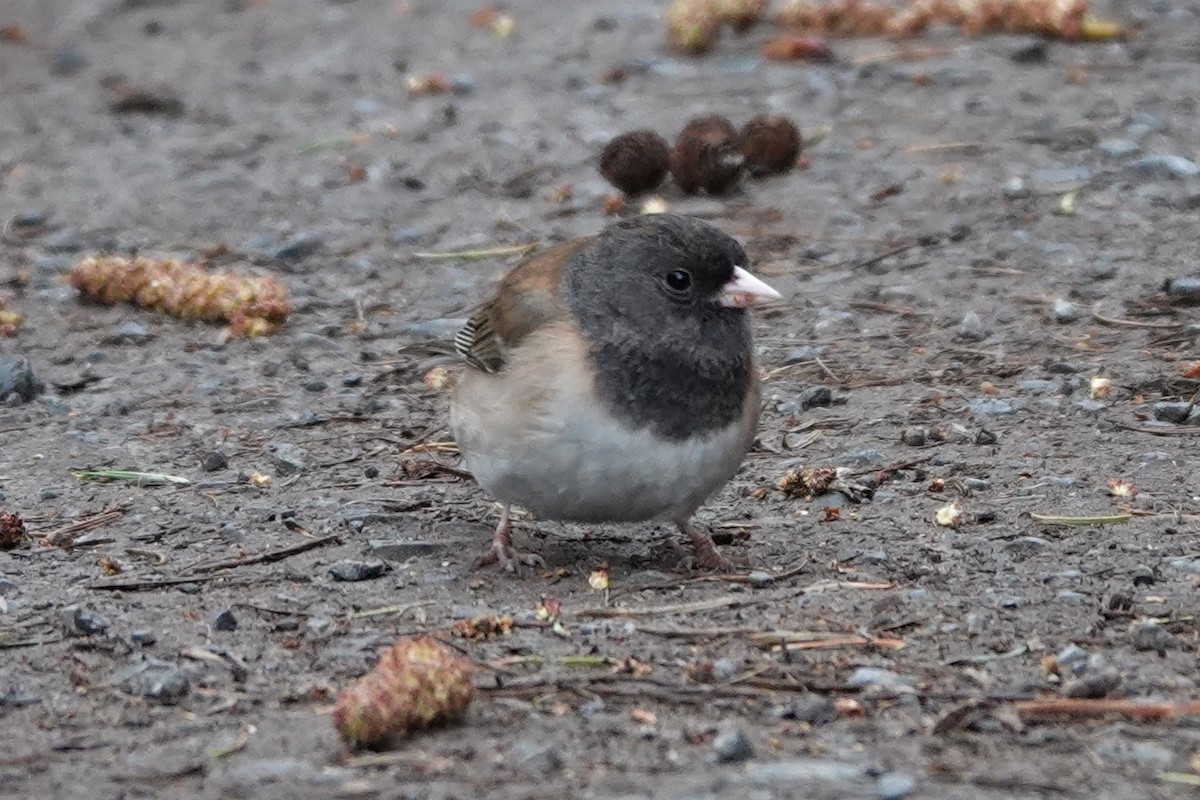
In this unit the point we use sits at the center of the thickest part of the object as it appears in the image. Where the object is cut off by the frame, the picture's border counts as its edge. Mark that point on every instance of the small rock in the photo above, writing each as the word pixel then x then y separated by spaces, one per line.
pixel 1118 148
pixel 1144 576
pixel 804 353
pixel 155 680
pixel 1166 165
pixel 1062 368
pixel 225 621
pixel 1033 51
pixel 760 580
pixel 731 746
pixel 299 247
pixel 318 625
pixel 1015 188
pixel 541 761
pixel 1186 288
pixel 895 786
pixel 83 622
pixel 814 709
pixel 351 379
pixel 17 380
pixel 1072 659
pixel 1026 545
pixel 143 638
pixel 877 677
pixel 351 571
pixel 971 328
pixel 67 62
pixel 288 458
pixel 815 397
pixel 130 332
pixel 976 484
pixel 914 436
pixel 989 407
pixel 1150 636
pixel 213 460
pixel 1065 311
pixel 1100 682
pixel 1176 412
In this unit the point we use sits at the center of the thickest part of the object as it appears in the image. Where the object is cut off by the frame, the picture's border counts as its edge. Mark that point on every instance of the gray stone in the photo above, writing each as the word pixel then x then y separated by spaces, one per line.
pixel 1150 636
pixel 731 746
pixel 1015 188
pixel 989 406
pixel 877 677
pixel 17 380
pixel 288 458
pixel 1065 311
pixel 895 785
pixel 130 332
pixel 154 680
pixel 1168 411
pixel 971 328
pixel 760 580
pixel 299 247
pixel 225 621
pixel 352 571
pixel 79 621
pixel 1166 165
pixel 1118 148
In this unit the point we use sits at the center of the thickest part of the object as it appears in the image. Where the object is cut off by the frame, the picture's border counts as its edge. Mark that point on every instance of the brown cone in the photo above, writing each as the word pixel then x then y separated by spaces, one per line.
pixel 636 161
pixel 769 143
pixel 706 157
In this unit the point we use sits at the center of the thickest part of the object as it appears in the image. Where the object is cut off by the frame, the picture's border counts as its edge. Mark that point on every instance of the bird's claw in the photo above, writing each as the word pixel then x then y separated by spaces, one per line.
pixel 508 557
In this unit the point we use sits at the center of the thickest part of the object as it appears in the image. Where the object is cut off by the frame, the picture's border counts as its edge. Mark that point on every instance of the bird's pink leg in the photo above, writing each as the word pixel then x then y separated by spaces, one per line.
pixel 706 556
pixel 502 551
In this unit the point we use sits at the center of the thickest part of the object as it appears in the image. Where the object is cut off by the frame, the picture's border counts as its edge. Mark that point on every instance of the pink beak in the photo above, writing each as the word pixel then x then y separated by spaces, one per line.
pixel 746 291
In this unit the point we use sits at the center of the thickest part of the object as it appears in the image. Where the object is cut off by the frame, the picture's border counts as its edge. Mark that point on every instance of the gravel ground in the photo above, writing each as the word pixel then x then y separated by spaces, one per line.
pixel 986 228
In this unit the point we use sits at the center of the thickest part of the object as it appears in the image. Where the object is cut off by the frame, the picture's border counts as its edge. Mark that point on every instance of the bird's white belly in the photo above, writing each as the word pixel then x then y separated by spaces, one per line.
pixel 588 467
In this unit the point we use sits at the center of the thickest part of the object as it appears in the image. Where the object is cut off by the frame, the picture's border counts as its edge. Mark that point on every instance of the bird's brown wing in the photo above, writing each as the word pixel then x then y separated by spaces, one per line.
pixel 527 299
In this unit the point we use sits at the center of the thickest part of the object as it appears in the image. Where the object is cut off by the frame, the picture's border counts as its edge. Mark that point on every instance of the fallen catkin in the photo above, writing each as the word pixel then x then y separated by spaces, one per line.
pixel 252 306
pixel 417 683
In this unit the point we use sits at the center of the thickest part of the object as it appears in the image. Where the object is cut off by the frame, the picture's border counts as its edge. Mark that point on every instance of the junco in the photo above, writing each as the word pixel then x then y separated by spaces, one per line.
pixel 611 379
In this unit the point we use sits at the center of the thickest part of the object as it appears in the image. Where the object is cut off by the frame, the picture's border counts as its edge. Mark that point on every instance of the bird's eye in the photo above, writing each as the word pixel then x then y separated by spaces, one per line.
pixel 679 280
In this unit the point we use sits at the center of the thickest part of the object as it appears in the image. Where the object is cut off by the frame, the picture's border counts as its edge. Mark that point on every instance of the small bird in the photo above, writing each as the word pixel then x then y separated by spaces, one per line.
pixel 612 379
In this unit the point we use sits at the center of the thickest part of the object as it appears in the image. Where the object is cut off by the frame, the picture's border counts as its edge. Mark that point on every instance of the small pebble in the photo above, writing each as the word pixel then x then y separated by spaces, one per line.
pixel 288 458
pixel 18 381
pixel 914 436
pixel 815 397
pixel 1166 165
pixel 877 677
pixel 760 580
pixel 351 379
pixel 1118 148
pixel 895 786
pixel 1170 411
pixel 1065 311
pixel 299 247
pixel 153 679
pixel 143 638
pixel 213 460
pixel 1015 188
pixel 731 746
pixel 225 621
pixel 315 386
pixel 351 571
pixel 971 328
pixel 83 622
pixel 130 332
pixel 1150 636
pixel 1187 288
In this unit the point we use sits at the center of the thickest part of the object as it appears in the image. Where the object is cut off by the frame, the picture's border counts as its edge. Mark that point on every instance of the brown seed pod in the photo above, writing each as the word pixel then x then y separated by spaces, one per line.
pixel 741 15
pixel 416 684
pixel 769 143
pixel 636 161
pixel 706 157
pixel 12 531
pixel 693 26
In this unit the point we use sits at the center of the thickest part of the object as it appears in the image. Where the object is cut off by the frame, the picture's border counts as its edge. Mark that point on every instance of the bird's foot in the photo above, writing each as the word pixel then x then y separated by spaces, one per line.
pixel 503 553
pixel 508 557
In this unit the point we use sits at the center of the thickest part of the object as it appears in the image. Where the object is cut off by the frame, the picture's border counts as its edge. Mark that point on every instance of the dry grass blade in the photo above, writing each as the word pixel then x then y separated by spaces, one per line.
pixel 1055 519
pixel 478 255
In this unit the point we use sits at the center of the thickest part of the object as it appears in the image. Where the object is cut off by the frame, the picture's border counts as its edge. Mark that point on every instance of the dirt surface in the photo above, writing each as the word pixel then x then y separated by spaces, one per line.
pixel 991 176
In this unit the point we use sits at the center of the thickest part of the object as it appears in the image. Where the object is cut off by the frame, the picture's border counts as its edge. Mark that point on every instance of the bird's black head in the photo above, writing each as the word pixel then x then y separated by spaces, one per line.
pixel 660 299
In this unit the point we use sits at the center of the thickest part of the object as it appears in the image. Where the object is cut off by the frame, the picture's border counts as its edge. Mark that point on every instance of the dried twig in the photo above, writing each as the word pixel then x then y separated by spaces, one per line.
pixel 1086 708
pixel 270 556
